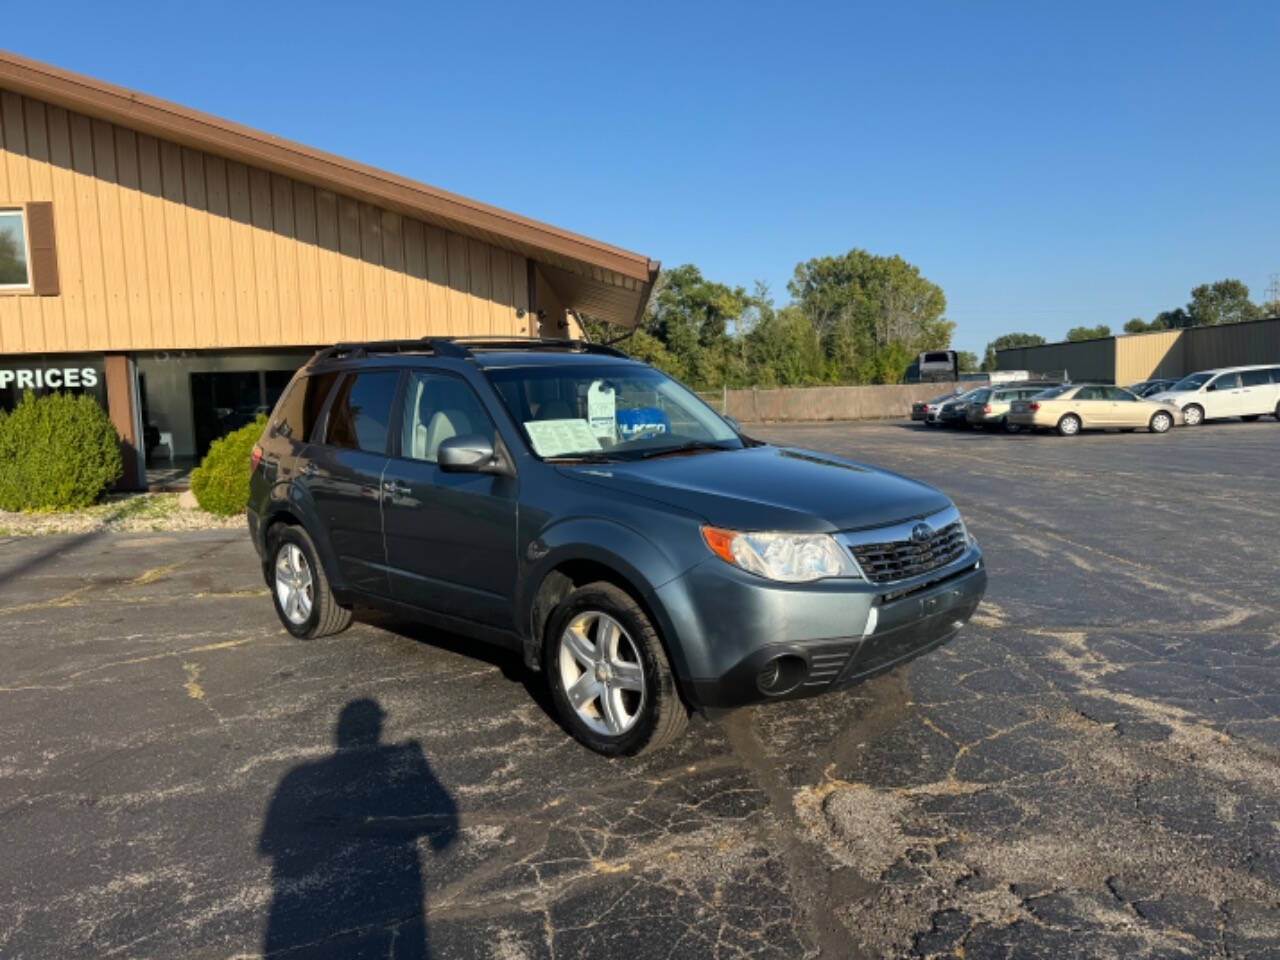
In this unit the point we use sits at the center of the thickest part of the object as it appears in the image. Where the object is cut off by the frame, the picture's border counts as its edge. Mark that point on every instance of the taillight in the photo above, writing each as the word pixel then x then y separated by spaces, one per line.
pixel 255 458
pixel 1033 407
pixel 927 408
pixel 987 408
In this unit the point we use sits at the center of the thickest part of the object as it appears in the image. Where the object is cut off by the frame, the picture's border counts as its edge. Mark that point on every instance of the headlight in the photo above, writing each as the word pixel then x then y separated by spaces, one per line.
pixel 789 557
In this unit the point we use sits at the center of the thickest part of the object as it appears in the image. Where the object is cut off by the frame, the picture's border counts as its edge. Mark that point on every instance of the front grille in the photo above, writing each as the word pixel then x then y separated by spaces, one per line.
pixel 902 559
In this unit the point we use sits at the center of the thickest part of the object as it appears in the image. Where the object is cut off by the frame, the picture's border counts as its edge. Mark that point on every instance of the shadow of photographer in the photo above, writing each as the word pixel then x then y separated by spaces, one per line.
pixel 343 834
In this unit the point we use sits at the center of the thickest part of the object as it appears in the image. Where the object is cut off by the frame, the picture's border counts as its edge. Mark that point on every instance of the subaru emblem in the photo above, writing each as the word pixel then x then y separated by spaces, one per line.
pixel 922 533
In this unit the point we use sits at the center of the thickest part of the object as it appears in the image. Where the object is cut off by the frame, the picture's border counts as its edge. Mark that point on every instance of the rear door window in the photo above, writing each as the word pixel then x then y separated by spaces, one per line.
pixel 1255 378
pixel 1091 393
pixel 1120 394
pixel 360 415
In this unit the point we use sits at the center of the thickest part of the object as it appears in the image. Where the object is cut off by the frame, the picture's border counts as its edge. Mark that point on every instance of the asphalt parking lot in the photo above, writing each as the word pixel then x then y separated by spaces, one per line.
pixel 1092 769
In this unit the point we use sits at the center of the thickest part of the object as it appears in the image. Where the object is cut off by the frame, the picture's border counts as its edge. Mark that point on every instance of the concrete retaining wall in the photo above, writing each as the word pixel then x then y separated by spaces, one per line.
pixel 833 403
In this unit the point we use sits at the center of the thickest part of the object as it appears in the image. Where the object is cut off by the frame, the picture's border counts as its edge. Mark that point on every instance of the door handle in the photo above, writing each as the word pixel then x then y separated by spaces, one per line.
pixel 396 488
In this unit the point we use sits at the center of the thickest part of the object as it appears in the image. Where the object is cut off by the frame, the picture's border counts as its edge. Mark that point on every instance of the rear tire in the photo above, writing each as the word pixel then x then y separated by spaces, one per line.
pixel 299 588
pixel 1193 415
pixel 1160 423
pixel 1069 425
pixel 1011 427
pixel 603 654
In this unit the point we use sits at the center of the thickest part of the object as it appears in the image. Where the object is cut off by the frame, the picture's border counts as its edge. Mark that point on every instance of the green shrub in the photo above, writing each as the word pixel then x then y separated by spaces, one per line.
pixel 57 452
pixel 221 482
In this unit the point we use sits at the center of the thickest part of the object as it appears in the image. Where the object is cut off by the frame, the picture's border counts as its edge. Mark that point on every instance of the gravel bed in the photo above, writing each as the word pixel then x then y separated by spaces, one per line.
pixel 124 513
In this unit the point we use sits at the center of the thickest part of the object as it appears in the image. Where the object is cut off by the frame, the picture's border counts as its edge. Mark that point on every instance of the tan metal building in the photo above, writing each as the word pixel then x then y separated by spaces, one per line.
pixel 181 266
pixel 1142 356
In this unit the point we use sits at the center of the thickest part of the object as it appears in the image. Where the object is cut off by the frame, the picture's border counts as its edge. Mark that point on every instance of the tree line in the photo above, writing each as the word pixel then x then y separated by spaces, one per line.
pixel 1226 301
pixel 852 318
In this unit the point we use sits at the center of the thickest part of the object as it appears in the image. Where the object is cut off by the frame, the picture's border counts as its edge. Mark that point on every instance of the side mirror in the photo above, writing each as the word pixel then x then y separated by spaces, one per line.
pixel 737 427
pixel 470 453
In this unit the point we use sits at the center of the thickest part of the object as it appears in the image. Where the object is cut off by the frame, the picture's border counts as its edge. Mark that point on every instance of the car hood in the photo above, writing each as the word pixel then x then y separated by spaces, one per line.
pixel 1169 396
pixel 769 488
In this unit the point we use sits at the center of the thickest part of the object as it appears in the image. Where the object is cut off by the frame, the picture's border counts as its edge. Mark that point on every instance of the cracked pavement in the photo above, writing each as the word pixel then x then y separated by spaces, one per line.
pixel 1091 769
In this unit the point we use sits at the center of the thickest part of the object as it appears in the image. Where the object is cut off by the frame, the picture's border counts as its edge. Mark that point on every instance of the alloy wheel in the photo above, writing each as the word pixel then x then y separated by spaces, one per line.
pixel 601 673
pixel 294 587
pixel 1192 415
pixel 1161 422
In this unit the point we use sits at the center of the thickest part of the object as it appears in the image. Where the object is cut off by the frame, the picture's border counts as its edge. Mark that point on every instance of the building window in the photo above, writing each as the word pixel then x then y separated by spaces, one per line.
pixel 14 271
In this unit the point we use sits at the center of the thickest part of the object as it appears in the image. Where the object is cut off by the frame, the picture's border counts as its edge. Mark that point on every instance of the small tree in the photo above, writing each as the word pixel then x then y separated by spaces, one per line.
pixel 57 452
pixel 221 482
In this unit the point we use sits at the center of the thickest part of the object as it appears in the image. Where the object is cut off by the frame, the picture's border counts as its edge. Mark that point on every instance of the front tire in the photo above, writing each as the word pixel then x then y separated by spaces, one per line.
pixel 1160 423
pixel 1069 425
pixel 609 675
pixel 1193 415
pixel 299 588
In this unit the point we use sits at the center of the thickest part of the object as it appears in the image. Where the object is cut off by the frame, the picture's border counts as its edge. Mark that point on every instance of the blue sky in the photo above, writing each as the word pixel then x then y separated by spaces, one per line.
pixel 1047 164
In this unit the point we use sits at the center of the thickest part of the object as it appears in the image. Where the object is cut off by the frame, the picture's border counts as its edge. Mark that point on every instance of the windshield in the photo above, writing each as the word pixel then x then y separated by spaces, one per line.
pixel 609 411
pixel 1194 382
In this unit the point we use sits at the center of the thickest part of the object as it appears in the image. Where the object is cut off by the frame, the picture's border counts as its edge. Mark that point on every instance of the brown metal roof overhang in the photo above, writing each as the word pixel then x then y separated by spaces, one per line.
pixel 590 276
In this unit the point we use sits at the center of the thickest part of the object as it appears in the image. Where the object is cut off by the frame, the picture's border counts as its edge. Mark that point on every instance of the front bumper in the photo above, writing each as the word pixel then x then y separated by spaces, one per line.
pixel 730 625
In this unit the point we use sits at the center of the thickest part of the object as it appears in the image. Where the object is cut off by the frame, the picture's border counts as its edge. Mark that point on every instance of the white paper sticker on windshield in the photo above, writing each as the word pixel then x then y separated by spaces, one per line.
pixel 558 438
pixel 602 406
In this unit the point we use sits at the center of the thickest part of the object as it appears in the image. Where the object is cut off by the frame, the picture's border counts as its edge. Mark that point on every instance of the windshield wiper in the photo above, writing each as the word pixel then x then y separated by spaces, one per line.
pixel 684 448
pixel 582 458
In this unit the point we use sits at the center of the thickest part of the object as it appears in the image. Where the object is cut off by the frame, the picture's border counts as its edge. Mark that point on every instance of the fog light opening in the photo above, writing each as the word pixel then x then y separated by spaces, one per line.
pixel 781 675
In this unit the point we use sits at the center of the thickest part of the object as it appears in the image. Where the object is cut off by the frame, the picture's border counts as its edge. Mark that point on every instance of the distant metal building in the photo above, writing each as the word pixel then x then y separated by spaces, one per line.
pixel 1141 356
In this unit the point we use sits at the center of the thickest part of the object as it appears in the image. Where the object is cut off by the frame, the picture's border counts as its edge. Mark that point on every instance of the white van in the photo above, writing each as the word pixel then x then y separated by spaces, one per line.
pixel 1245 392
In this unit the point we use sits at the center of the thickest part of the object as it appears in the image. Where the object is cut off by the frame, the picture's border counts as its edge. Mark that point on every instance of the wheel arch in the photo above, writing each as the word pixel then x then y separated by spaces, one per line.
pixel 569 568
pixel 289 514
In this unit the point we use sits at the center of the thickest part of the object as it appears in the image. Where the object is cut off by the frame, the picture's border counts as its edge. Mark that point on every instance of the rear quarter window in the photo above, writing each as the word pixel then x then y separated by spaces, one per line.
pixel 295 415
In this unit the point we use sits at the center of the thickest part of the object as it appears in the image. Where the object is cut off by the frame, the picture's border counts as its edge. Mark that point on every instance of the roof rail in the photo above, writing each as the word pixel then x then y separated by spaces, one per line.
pixel 360 348
pixel 500 342
pixel 460 347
